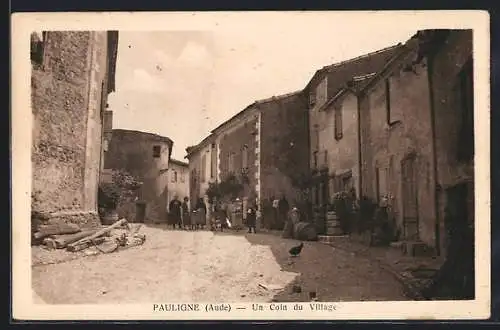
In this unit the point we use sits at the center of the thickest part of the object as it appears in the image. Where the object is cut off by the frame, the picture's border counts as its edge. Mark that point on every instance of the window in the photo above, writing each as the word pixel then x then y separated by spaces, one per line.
pixel 321 92
pixel 312 98
pixel 315 138
pixel 338 121
pixel 465 89
pixel 156 151
pixel 315 159
pixel 387 101
pixel 213 157
pixel 203 168
pixel 325 158
pixel 231 162
pixel 244 157
pixel 38 41
pixel 183 177
pixel 174 176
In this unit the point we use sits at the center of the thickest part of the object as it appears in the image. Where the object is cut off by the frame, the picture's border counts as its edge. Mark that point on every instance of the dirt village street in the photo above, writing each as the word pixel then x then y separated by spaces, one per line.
pixel 203 266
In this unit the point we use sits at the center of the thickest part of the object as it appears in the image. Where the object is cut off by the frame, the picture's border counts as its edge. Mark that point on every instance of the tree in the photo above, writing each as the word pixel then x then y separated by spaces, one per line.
pixel 230 187
pixel 122 187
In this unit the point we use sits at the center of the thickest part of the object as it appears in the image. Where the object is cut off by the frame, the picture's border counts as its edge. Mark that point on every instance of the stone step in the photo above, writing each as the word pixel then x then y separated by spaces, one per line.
pixel 328 239
pixel 417 249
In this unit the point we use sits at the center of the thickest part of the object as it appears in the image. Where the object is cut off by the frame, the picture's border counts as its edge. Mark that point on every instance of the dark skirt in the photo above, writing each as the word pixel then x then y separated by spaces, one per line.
pixel 173 219
pixel 186 219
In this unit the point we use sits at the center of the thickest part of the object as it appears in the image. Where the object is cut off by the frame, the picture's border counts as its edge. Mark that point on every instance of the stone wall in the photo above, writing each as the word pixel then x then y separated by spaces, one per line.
pixel 234 143
pixel 284 146
pixel 389 139
pixel 340 153
pixel 447 64
pixel 69 88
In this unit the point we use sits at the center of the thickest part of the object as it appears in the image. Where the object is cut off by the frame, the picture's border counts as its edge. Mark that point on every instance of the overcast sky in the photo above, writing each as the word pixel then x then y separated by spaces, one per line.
pixel 182 84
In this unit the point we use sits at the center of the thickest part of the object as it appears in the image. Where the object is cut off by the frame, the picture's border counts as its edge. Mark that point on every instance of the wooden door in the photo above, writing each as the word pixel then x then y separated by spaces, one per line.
pixel 140 214
pixel 410 199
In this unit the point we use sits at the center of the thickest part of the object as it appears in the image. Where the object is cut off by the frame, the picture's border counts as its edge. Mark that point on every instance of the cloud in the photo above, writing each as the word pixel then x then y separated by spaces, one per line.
pixel 142 81
pixel 195 55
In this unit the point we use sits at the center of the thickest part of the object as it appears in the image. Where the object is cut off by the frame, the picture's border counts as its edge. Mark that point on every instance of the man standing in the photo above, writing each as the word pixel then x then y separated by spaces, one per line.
pixel 174 209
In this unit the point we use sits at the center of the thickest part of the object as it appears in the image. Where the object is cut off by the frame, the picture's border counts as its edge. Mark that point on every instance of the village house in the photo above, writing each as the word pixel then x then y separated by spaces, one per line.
pixel 334 126
pixel 202 169
pixel 178 184
pixel 72 75
pixel 146 157
pixel 406 155
pixel 263 145
pixel 452 107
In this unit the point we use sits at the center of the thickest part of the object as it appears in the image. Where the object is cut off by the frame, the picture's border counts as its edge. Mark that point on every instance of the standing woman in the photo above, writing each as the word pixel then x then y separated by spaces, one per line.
pixel 186 218
pixel 174 210
pixel 202 213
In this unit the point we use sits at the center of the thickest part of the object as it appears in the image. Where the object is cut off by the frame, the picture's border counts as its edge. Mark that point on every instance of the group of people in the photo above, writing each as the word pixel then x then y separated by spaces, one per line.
pixel 179 215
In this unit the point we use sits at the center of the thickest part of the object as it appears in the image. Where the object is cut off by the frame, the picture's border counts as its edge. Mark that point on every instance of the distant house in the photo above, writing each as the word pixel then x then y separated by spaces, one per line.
pixel 263 145
pixel 202 168
pixel 418 135
pixel 72 75
pixel 334 123
pixel 178 184
pixel 146 156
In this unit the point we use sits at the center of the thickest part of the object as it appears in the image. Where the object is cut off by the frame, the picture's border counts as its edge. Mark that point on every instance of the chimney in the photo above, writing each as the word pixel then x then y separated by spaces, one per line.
pixel 108 121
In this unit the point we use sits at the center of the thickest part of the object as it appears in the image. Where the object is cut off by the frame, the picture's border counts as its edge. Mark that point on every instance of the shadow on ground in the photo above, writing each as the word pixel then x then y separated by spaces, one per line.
pixel 331 274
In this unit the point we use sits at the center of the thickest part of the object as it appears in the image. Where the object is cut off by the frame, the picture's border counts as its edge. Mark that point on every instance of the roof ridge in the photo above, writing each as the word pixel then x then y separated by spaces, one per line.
pixel 277 97
pixel 359 57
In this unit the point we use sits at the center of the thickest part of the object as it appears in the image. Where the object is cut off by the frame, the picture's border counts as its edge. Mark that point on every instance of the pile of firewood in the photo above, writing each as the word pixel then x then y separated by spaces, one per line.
pixel 72 238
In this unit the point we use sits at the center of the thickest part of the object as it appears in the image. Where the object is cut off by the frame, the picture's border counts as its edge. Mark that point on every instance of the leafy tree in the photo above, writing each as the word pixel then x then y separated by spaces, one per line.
pixel 230 187
pixel 122 187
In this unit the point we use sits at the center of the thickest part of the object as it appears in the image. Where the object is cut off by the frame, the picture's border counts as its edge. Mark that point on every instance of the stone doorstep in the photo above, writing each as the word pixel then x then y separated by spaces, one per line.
pixel 416 249
pixel 328 239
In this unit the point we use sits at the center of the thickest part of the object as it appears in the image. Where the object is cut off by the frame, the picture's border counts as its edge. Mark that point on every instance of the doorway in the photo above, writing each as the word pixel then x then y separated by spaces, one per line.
pixel 140 212
pixel 410 199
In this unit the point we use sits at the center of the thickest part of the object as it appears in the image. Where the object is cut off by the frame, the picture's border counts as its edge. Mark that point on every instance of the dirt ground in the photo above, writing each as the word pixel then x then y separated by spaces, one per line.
pixel 183 266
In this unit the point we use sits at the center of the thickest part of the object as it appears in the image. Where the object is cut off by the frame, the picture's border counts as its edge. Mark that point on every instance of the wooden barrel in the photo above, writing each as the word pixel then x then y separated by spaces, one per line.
pixel 305 231
pixel 333 225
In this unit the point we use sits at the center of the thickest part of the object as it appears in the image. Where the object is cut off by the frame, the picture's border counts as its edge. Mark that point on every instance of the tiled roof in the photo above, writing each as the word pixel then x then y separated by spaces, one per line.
pixel 256 103
pixel 340 73
pixel 151 136
pixel 178 162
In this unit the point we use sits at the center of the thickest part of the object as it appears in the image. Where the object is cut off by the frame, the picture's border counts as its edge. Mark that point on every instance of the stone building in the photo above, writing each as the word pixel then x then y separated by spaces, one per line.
pixel 146 156
pixel 72 75
pixel 264 146
pixel 202 168
pixel 179 179
pixel 417 133
pixel 452 93
pixel 334 124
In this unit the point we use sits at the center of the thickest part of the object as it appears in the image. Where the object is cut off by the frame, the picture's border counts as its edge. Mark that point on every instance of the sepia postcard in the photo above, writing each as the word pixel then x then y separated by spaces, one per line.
pixel 251 165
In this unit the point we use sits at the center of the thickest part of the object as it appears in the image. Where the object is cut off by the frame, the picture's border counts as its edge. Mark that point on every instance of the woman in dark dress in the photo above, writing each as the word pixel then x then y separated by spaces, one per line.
pixel 201 208
pixel 186 218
